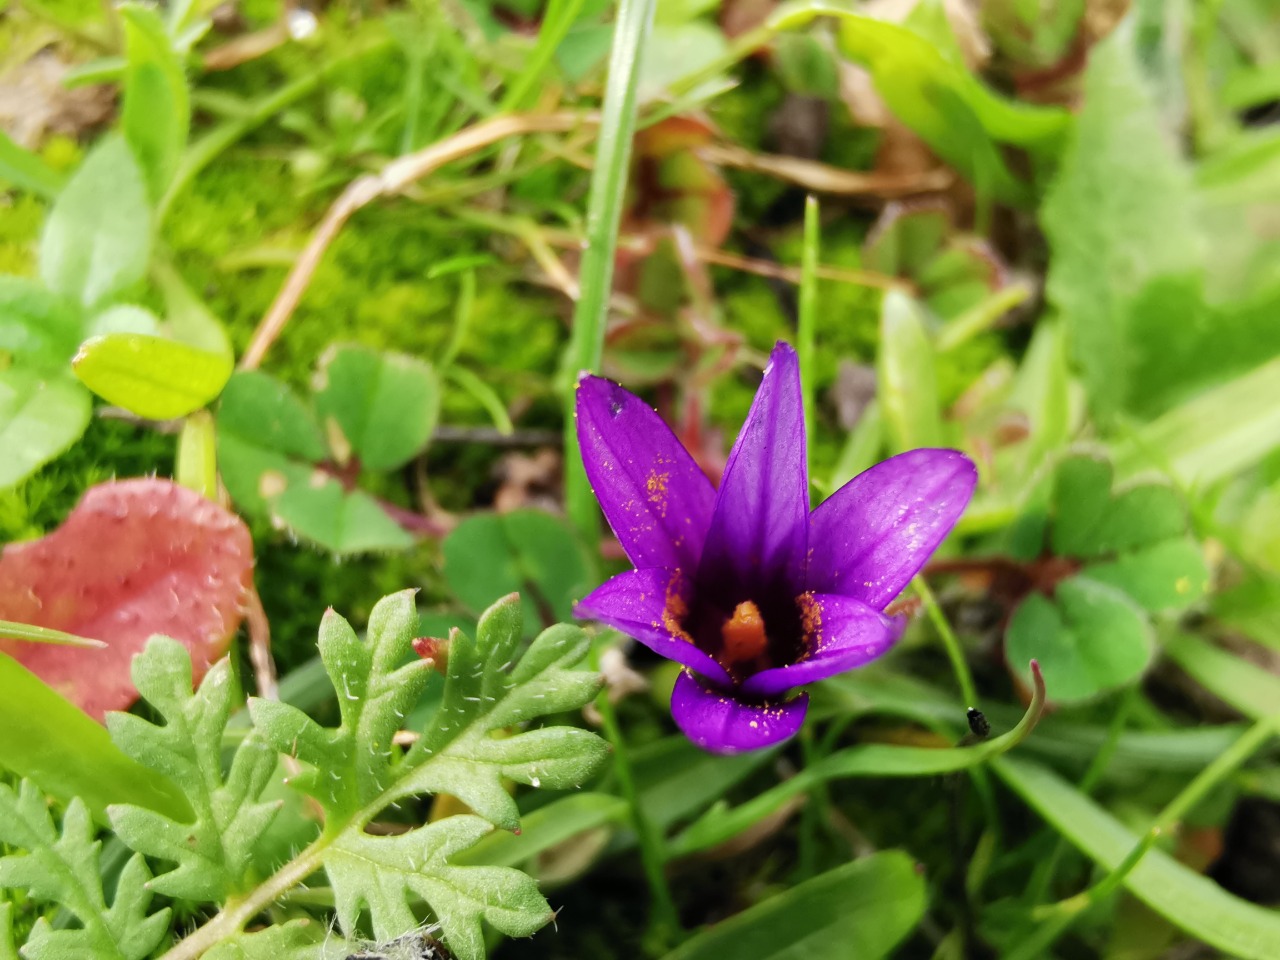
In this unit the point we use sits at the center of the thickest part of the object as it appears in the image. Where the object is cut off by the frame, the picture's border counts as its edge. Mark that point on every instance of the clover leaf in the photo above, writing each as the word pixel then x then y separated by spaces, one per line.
pixel 1125 556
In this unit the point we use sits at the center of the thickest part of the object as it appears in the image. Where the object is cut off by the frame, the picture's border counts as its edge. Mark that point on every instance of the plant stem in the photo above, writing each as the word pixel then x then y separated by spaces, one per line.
pixel 807 321
pixel 664 921
pixel 949 642
pixel 560 17
pixel 1063 914
pixel 604 215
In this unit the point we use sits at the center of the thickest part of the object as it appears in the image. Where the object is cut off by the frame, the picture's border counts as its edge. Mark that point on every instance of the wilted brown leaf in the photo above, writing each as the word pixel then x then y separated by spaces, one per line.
pixel 34 103
pixel 134 558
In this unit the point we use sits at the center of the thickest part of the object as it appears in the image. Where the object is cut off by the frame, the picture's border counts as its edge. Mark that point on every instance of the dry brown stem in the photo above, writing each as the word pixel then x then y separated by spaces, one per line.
pixel 394 177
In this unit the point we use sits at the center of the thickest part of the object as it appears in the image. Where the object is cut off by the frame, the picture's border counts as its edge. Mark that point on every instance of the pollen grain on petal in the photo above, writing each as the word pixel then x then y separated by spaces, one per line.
pixel 675 609
pixel 810 625
pixel 655 486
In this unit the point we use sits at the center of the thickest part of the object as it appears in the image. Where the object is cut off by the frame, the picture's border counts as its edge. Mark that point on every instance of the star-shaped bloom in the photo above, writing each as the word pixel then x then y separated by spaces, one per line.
pixel 742 586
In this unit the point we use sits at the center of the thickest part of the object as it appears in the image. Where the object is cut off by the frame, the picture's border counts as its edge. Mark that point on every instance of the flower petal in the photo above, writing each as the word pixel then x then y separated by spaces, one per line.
pixel 653 494
pixel 717 721
pixel 875 533
pixel 757 539
pixel 844 633
pixel 646 605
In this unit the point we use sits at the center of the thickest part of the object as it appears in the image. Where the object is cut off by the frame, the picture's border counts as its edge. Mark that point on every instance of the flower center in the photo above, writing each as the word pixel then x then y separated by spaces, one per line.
pixel 744 635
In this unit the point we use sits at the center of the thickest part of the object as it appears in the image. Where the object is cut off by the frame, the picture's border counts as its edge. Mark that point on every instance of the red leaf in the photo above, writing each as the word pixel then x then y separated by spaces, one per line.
pixel 134 558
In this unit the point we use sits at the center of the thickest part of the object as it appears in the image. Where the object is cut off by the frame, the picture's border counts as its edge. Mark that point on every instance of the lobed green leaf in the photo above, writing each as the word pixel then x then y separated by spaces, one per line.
pixel 214 851
pixel 62 868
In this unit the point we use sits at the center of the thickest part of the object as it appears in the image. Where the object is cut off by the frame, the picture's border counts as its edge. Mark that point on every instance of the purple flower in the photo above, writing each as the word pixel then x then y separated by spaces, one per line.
pixel 745 588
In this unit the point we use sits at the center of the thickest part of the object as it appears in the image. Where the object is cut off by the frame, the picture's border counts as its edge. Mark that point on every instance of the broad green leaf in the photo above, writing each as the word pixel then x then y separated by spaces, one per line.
pixel 932 92
pixel 156 114
pixel 1089 522
pixel 39 327
pixel 908 385
pixel 807 66
pixel 863 909
pixel 58 747
pixel 62 868
pixel 527 552
pixel 1243 170
pixel 263 426
pixel 381 407
pixel 1165 576
pixel 1081 499
pixel 1117 215
pixel 1252 607
pixel 39 419
pixel 675 50
pixel 187 319
pixel 344 521
pixel 123 318
pixel 1192 902
pixel 1184 343
pixel 1089 638
pixel 97 239
pixel 720 823
pixel 269 448
pixel 26 171
pixel 1252 691
pixel 1218 434
pixel 155 378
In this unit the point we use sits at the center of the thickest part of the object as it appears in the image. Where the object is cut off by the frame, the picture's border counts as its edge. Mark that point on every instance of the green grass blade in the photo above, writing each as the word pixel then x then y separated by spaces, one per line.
pixel 58 747
pixel 604 213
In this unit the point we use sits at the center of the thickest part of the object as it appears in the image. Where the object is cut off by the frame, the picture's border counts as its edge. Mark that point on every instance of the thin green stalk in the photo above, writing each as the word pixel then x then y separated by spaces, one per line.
pixel 1060 916
pixel 561 16
pixel 1042 879
pixel 604 214
pixel 664 921
pixel 196 465
pixel 949 642
pixel 807 321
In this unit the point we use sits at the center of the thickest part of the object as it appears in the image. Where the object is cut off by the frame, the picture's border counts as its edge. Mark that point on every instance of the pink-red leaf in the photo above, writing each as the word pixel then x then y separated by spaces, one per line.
pixel 134 558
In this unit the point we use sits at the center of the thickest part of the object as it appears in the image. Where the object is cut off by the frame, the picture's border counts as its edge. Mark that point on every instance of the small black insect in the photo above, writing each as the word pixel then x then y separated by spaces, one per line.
pixel 412 946
pixel 978 724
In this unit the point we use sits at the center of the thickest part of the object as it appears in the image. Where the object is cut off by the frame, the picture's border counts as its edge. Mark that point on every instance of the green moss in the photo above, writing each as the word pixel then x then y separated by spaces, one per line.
pixel 19 234
pixel 108 449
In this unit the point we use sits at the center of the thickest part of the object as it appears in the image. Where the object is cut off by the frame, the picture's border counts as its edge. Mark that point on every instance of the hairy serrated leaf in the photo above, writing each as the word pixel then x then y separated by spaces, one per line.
pixel 353 765
pixel 295 940
pixel 487 691
pixel 469 750
pixel 213 853
pixel 62 868
pixel 380 871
